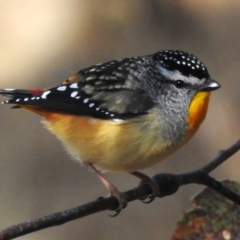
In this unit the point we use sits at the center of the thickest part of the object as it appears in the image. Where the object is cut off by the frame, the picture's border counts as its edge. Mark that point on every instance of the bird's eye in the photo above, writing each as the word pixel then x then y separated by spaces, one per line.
pixel 179 84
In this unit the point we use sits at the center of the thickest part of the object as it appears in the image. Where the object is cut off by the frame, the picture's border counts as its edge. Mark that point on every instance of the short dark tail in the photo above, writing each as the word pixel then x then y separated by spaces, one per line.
pixel 15 93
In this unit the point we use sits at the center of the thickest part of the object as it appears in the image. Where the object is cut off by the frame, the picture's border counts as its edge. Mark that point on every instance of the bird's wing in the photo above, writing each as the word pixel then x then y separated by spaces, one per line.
pixel 107 91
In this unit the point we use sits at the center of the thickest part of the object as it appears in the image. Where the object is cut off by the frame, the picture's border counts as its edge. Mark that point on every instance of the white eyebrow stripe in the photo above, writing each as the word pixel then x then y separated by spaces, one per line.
pixel 176 75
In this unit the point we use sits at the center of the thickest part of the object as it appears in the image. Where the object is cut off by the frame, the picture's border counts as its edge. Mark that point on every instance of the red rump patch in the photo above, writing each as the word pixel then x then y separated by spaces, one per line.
pixel 36 91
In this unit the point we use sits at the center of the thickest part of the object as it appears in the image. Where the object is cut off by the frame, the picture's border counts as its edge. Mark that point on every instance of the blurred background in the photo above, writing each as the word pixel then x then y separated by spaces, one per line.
pixel 43 42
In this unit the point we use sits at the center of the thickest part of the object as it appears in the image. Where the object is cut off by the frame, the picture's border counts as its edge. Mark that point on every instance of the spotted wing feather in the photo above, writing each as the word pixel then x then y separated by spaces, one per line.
pixel 106 91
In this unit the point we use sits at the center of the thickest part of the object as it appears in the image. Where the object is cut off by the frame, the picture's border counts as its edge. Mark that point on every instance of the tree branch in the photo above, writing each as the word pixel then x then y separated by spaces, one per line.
pixel 222 157
pixel 167 183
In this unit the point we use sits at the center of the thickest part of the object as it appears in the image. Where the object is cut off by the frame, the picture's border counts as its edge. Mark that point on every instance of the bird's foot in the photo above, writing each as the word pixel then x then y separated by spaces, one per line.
pixel 145 180
pixel 113 191
pixel 121 200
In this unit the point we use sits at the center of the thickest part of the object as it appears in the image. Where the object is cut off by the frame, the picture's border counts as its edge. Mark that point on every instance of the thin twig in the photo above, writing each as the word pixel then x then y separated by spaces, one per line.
pixel 167 183
pixel 222 157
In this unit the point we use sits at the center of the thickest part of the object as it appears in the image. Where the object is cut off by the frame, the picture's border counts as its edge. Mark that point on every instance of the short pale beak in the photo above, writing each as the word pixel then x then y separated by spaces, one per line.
pixel 210 85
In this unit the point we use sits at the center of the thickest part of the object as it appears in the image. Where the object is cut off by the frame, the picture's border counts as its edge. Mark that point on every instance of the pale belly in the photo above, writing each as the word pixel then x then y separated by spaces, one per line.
pixel 113 146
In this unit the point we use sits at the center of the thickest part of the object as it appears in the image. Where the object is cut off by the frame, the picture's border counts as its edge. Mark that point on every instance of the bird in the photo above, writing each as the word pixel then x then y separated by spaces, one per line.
pixel 124 115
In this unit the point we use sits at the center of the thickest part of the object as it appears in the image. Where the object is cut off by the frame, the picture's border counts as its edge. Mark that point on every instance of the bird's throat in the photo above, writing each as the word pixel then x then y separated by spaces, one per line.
pixel 198 110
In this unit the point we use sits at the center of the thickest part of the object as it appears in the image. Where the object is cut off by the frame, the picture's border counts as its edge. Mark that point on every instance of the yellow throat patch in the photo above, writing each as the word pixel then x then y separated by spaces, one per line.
pixel 198 110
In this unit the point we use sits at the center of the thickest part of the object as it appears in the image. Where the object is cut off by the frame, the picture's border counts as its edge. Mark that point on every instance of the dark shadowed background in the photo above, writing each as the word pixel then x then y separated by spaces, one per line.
pixel 44 42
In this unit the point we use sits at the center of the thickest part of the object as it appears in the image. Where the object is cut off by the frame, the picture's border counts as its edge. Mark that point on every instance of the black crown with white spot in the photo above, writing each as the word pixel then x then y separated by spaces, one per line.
pixel 187 64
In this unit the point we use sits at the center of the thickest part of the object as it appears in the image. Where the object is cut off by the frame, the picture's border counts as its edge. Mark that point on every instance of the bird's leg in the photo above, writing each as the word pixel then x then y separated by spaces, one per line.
pixel 147 180
pixel 112 190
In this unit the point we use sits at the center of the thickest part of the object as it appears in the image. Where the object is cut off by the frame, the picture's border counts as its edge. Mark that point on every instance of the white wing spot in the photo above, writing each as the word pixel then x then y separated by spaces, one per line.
pixel 33 98
pixel 78 97
pixel 91 105
pixel 183 63
pixel 62 88
pixel 37 98
pixel 86 100
pixel 74 85
pixel 74 94
pixel 92 70
pixel 44 95
pixel 18 99
pixel 97 109
pixel 25 99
